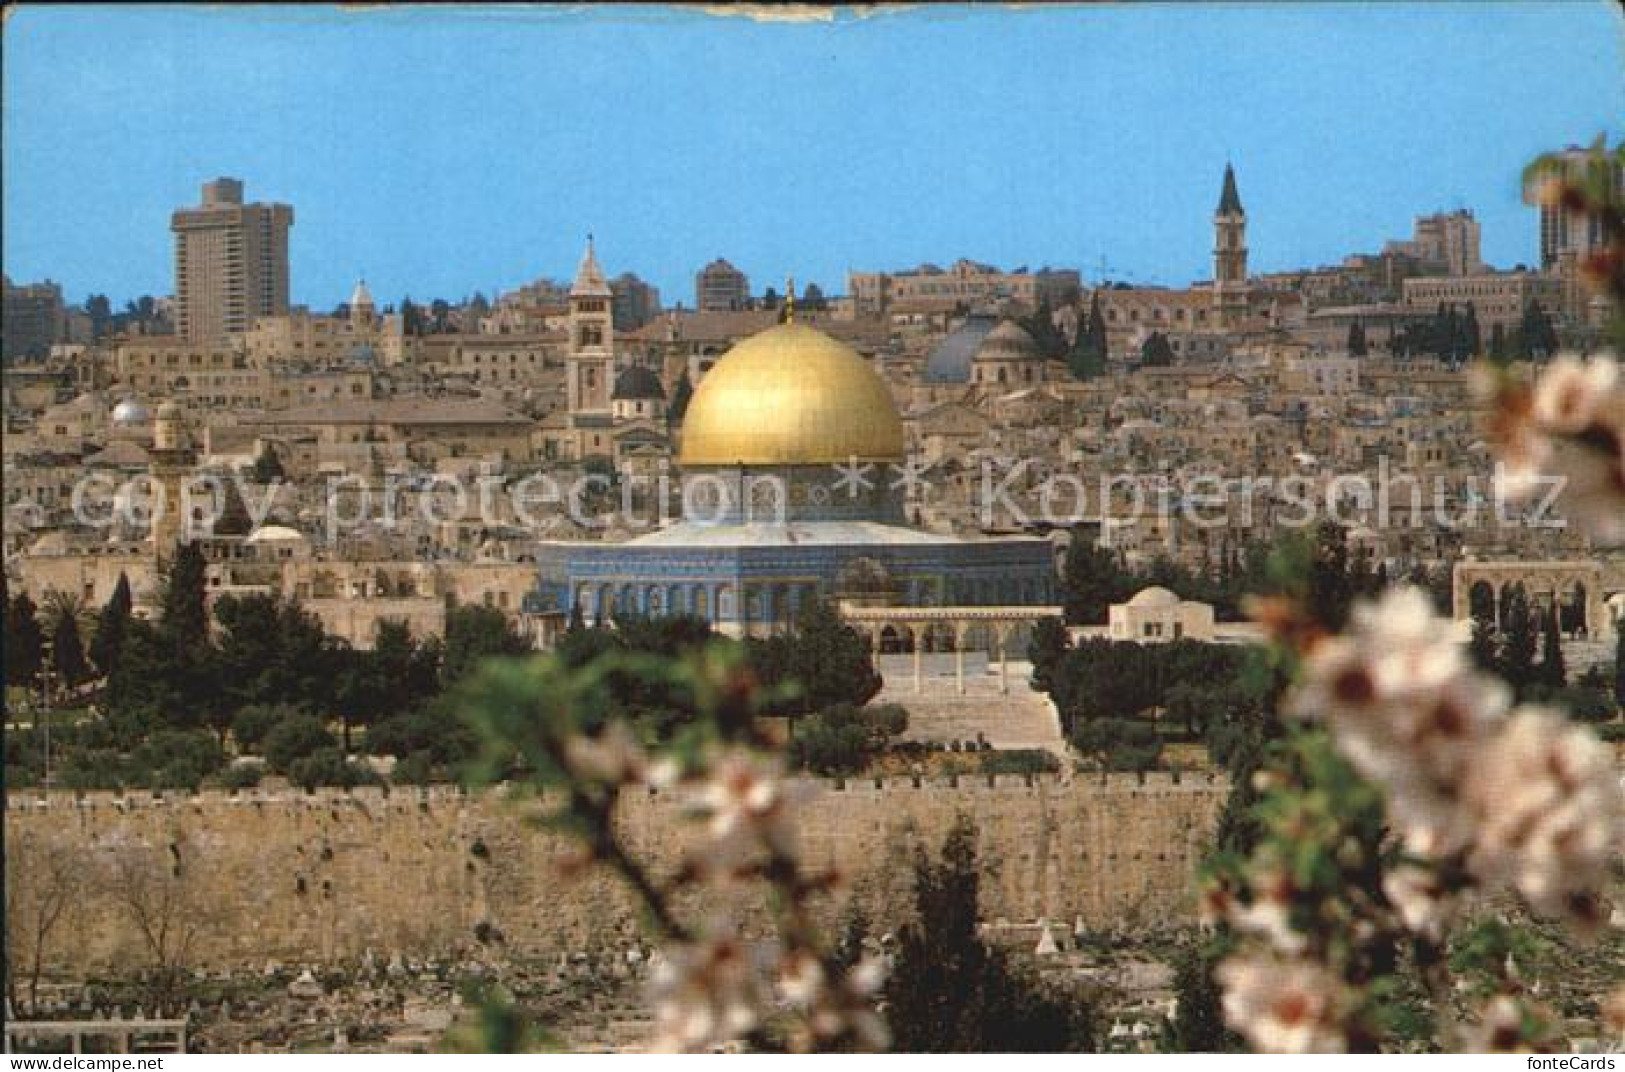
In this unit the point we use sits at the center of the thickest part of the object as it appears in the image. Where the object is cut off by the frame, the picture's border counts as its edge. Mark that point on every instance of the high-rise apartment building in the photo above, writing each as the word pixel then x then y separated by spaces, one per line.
pixel 1565 230
pixel 719 287
pixel 33 319
pixel 231 262
pixel 636 302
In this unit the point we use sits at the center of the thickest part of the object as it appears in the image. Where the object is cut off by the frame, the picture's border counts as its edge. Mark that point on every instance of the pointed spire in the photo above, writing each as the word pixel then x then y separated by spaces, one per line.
pixel 590 281
pixel 790 299
pixel 1229 199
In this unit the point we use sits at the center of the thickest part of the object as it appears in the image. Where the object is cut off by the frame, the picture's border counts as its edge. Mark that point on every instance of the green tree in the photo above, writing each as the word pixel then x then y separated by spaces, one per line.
pixel 1482 647
pixel 67 649
pixel 1517 654
pixel 842 739
pixel 393 680
pixel 949 992
pixel 1118 744
pixel 1619 664
pixel 1552 674
pixel 24 642
pixel 1198 1024
pixel 294 739
pixel 271 653
pixel 1156 351
pixel 474 633
pixel 267 468
pixel 1331 583
pixel 1536 339
pixel 183 618
pixel 681 394
pixel 829 662
pixel 1041 326
pixel 1091 580
pixel 1048 646
pixel 1087 358
pixel 108 642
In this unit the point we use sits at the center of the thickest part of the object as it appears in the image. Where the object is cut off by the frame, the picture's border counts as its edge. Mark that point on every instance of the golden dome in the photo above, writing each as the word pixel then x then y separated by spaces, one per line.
pixel 791 396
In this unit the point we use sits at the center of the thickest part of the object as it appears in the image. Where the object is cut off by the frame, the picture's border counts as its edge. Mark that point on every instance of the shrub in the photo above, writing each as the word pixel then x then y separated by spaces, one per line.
pixel 1119 744
pixel 415 769
pixel 327 766
pixel 295 739
pixel 841 739
pixel 176 759
pixel 254 722
pixel 242 776
pixel 1585 704
pixel 1020 761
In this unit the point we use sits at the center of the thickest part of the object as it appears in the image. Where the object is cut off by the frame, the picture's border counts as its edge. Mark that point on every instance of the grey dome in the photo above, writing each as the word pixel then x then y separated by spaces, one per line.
pixel 950 361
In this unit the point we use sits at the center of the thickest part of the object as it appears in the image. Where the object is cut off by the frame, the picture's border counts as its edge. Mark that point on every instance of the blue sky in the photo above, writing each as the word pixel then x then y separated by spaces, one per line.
pixel 445 151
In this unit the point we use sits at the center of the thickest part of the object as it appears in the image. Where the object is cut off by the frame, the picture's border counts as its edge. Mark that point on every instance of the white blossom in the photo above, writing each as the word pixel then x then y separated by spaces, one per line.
pixel 1550 813
pixel 707 994
pixel 748 809
pixel 616 757
pixel 1284 1006
pixel 1407 708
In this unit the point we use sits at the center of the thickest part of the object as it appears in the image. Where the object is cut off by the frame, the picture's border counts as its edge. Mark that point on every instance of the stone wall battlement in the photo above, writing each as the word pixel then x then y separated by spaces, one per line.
pixel 322 878
pixel 450 795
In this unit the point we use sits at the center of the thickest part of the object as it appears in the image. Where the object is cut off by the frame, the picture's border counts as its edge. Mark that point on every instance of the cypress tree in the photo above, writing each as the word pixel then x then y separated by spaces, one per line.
pixel 1518 643
pixel 67 649
pixel 24 642
pixel 1553 673
pixel 108 641
pixel 184 618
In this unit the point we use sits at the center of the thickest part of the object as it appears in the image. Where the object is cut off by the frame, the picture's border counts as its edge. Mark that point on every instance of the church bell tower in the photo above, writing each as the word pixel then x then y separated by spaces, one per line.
pixel 1230 253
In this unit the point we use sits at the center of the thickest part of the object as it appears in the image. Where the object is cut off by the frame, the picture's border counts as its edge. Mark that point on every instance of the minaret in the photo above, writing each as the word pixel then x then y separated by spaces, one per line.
pixel 590 358
pixel 1230 253
pixel 172 460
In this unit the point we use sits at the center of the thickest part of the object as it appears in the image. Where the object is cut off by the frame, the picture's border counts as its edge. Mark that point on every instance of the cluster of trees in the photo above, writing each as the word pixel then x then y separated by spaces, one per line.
pixel 44 642
pixel 1087 358
pixel 1452 334
pixel 1449 334
pixel 951 992
pixel 820 673
pixel 267 678
pixel 1526 651
pixel 1118 700
pixel 437 317
pixel 141 316
pixel 842 739
pixel 1085 354
pixel 1095 577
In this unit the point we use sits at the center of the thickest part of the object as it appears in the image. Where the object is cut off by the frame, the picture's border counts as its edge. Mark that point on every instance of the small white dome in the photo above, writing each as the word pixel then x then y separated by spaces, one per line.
pixel 130 411
pixel 274 534
pixel 361 296
pixel 1155 596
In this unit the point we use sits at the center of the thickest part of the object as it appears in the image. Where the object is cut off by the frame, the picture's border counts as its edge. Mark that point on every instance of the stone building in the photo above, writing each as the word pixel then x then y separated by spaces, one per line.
pixel 231 262
pixel 719 287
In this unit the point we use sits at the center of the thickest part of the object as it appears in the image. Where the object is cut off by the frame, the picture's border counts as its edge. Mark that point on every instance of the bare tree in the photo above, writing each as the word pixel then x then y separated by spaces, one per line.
pixel 45 879
pixel 167 911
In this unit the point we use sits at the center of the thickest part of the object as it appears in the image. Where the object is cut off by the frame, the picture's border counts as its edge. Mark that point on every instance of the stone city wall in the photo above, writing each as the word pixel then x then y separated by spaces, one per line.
pixel 227 881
